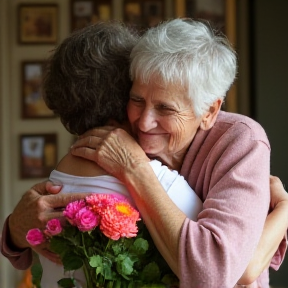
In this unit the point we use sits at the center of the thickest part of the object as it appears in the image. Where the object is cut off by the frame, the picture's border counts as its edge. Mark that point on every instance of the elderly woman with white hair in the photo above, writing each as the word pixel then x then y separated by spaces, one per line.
pixel 181 72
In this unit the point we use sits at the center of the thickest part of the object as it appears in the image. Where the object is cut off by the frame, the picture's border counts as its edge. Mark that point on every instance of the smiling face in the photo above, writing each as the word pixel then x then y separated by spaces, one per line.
pixel 162 120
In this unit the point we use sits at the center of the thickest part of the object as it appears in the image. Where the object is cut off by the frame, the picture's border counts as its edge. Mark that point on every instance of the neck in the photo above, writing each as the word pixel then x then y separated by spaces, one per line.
pixel 172 162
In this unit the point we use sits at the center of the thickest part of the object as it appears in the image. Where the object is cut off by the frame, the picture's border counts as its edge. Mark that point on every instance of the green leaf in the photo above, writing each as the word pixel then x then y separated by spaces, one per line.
pixel 117 248
pixel 151 273
pixel 107 272
pixel 99 270
pixel 59 245
pixel 124 265
pixel 140 246
pixel 66 283
pixel 72 262
pixel 36 271
pixel 95 261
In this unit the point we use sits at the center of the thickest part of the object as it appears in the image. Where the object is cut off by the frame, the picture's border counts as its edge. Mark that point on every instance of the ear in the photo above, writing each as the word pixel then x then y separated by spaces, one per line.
pixel 209 117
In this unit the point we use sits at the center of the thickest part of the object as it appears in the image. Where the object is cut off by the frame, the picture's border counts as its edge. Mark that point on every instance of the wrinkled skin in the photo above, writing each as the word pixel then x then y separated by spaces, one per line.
pixel 111 148
pixel 35 208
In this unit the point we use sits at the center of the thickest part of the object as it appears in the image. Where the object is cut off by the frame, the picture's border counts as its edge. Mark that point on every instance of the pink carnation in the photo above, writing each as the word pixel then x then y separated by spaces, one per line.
pixel 72 209
pixel 86 220
pixel 35 237
pixel 120 220
pixel 53 227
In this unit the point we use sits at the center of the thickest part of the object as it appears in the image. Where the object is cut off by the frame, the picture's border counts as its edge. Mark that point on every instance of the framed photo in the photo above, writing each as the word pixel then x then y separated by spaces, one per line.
pixel 142 14
pixel 33 105
pixel 86 12
pixel 38 155
pixel 211 10
pixel 38 23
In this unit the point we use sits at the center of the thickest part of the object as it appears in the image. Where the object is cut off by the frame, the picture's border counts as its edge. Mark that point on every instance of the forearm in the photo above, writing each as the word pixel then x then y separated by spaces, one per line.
pixel 273 233
pixel 20 258
pixel 162 217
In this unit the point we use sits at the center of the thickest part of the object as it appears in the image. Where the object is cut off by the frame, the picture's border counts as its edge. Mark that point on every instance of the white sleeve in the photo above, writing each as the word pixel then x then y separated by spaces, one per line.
pixel 178 190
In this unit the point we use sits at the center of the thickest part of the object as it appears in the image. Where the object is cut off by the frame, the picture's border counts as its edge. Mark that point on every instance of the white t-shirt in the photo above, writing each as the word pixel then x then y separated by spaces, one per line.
pixel 174 184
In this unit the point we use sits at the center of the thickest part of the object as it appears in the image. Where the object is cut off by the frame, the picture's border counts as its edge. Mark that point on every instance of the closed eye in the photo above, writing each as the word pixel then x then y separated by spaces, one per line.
pixel 165 110
pixel 136 99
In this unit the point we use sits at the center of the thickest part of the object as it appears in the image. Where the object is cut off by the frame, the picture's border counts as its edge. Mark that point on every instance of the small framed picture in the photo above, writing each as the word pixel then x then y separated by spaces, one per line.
pixel 86 12
pixel 38 155
pixel 211 10
pixel 153 12
pixel 33 105
pixel 142 14
pixel 38 23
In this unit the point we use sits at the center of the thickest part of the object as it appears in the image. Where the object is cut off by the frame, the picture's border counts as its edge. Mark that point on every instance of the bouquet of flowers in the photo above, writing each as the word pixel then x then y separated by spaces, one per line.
pixel 104 235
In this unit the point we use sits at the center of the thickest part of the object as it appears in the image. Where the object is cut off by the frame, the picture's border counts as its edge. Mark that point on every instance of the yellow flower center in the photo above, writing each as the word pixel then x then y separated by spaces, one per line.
pixel 124 209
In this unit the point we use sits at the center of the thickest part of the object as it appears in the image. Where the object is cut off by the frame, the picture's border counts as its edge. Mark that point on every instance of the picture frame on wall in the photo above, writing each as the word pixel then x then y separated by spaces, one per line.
pixel 38 23
pixel 142 14
pixel 33 105
pixel 38 155
pixel 212 10
pixel 86 12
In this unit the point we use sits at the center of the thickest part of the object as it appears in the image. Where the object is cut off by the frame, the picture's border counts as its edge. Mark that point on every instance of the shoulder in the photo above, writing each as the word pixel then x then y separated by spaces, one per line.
pixel 78 166
pixel 240 126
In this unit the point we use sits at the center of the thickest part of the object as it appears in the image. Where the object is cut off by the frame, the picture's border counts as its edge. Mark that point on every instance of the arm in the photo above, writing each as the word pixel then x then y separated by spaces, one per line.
pixel 274 230
pixel 34 209
pixel 234 188
pixel 162 217
pixel 178 190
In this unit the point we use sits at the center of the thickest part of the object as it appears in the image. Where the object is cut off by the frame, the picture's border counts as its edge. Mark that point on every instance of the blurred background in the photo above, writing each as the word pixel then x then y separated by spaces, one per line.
pixel 32 140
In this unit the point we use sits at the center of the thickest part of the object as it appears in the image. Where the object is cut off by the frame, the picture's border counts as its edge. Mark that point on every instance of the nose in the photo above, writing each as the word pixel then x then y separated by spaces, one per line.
pixel 147 120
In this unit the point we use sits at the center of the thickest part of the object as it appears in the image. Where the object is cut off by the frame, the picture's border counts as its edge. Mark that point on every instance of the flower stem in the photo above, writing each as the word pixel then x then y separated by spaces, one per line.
pixel 87 274
pixel 83 245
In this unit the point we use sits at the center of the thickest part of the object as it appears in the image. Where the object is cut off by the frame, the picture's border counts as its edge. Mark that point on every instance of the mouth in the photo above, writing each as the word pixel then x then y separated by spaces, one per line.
pixel 149 136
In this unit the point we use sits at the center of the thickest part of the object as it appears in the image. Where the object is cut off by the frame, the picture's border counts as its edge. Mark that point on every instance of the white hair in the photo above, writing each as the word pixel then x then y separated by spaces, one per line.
pixel 188 52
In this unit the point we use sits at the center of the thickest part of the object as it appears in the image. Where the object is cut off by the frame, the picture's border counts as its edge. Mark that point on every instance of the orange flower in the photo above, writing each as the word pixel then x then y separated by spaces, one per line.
pixel 98 203
pixel 119 220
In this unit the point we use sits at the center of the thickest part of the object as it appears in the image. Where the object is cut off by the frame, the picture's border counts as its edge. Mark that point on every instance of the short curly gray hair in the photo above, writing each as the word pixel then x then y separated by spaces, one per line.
pixel 87 79
pixel 188 52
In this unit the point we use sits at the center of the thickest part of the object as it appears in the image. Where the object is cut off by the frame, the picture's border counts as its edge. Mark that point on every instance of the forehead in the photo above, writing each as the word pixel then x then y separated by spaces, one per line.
pixel 158 88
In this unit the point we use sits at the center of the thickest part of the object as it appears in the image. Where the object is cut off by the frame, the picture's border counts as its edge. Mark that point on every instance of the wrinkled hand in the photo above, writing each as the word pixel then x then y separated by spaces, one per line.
pixel 111 148
pixel 277 192
pixel 35 208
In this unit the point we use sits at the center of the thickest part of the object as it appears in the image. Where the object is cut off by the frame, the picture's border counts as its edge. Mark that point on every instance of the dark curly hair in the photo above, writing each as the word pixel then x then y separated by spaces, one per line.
pixel 86 80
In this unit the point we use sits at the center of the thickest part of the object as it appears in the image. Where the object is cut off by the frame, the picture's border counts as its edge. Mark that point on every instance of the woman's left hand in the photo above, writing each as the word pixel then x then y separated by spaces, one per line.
pixel 111 148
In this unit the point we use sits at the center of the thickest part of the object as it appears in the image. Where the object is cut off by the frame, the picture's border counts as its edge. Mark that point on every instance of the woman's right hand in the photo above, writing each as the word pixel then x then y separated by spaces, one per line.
pixel 111 148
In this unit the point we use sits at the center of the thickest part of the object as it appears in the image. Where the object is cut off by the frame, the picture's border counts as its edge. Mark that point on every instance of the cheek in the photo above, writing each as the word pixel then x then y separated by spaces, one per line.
pixel 177 131
pixel 182 133
pixel 131 113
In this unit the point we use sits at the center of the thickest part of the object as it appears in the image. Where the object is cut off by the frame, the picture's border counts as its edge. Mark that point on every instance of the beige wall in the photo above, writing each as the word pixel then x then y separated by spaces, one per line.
pixel 11 55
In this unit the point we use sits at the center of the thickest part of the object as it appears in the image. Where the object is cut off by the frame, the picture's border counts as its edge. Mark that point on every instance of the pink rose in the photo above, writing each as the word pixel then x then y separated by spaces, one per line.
pixel 72 209
pixel 35 237
pixel 86 220
pixel 53 227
